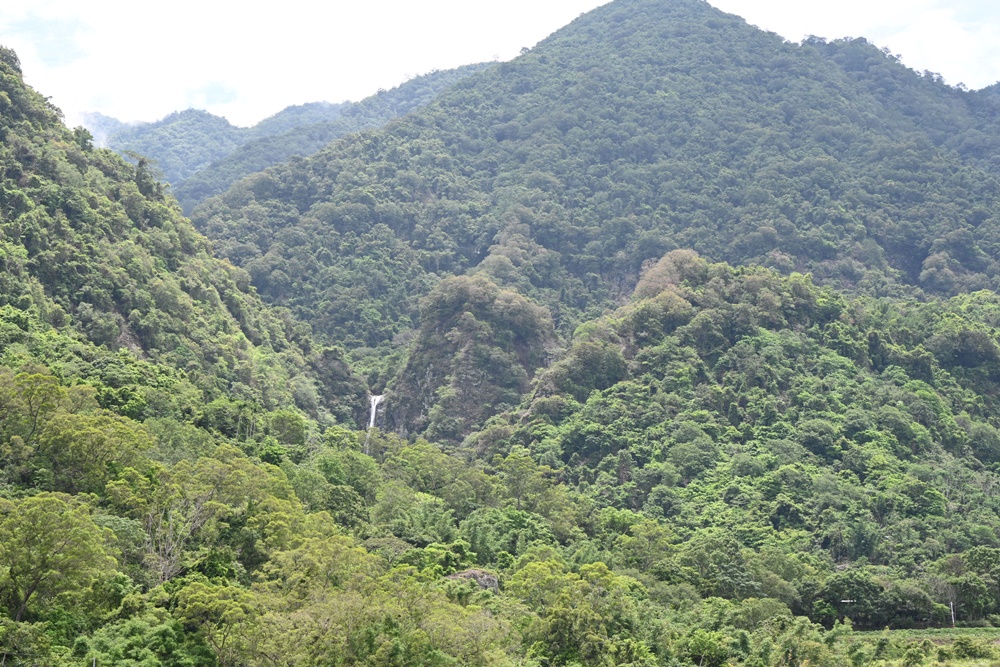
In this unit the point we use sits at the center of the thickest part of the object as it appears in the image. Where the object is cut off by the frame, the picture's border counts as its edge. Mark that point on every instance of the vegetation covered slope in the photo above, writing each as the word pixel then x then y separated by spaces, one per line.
pixel 91 244
pixel 476 353
pixel 303 130
pixel 708 476
pixel 755 414
pixel 201 154
pixel 641 127
pixel 734 467
pixel 179 144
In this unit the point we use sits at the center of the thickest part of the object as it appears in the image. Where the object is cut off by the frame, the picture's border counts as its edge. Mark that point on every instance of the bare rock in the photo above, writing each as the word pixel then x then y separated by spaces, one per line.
pixel 483 579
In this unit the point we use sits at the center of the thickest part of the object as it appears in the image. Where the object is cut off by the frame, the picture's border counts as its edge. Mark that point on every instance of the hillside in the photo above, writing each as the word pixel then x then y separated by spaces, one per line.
pixel 833 453
pixel 178 145
pixel 201 155
pixel 101 127
pixel 93 247
pixel 302 131
pixel 641 127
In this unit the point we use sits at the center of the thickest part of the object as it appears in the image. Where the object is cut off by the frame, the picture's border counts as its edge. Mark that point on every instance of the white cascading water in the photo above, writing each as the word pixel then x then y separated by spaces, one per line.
pixel 373 401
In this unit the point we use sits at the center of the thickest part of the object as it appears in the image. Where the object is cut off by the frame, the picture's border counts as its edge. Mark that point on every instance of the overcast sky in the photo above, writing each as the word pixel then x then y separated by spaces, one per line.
pixel 140 60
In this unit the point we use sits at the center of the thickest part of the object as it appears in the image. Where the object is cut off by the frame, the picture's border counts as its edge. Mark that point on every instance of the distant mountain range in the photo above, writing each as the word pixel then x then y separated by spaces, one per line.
pixel 201 155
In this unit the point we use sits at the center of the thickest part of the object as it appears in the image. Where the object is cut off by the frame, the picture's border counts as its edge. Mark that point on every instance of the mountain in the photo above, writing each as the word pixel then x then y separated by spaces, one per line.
pixel 296 116
pixel 201 155
pixel 642 127
pixel 303 130
pixel 102 127
pixel 827 451
pixel 179 144
pixel 94 247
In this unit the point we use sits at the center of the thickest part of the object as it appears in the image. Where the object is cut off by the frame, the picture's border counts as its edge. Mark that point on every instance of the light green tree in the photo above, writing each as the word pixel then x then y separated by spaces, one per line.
pixel 49 545
pixel 226 616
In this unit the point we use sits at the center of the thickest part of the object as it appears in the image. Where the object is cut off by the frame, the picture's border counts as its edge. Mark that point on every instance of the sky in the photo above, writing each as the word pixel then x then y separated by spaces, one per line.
pixel 137 61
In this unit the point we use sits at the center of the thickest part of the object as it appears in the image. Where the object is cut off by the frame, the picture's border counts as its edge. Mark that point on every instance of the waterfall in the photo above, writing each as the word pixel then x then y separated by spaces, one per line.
pixel 374 402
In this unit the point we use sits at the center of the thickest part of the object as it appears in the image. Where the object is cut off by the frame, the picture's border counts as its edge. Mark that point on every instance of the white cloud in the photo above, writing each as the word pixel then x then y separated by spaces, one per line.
pixel 954 38
pixel 140 61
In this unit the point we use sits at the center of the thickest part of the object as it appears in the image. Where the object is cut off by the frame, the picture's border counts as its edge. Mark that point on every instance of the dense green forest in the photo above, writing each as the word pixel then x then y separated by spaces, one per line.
pixel 640 128
pixel 201 155
pixel 297 131
pixel 179 145
pixel 688 340
pixel 92 243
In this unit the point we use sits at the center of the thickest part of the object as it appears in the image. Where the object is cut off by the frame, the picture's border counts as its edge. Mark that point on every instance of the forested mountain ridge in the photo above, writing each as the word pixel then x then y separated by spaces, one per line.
pixel 179 144
pixel 855 436
pixel 643 126
pixel 92 245
pixel 295 131
pixel 201 154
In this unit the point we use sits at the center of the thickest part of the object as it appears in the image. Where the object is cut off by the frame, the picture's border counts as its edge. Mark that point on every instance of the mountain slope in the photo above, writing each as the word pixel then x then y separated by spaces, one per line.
pixel 641 127
pixel 833 453
pixel 201 154
pixel 733 466
pixel 91 244
pixel 147 400
pixel 179 144
pixel 303 131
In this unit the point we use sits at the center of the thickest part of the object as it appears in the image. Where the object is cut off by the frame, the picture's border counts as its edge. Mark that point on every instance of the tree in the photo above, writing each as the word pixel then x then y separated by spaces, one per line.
pixel 706 648
pixel 27 402
pixel 986 562
pixel 523 478
pixel 316 565
pixel 501 533
pixel 224 614
pixel 49 545
pixel 151 639
pixel 190 501
pixel 84 450
pixel 855 595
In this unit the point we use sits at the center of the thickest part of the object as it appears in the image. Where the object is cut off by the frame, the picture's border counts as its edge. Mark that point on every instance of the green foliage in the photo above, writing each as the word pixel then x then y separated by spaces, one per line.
pixel 304 130
pixel 153 639
pixel 476 351
pixel 766 462
pixel 180 144
pixel 92 247
pixel 48 545
pixel 642 127
pixel 201 154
